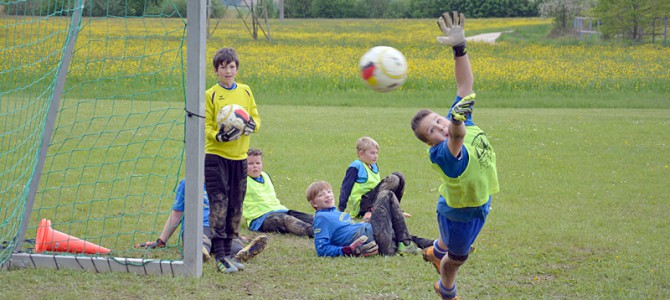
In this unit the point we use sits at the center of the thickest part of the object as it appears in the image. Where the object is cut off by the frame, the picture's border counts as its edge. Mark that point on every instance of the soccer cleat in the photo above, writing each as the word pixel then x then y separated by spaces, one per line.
pixel 429 256
pixel 235 262
pixel 226 266
pixel 205 255
pixel 411 249
pixel 250 251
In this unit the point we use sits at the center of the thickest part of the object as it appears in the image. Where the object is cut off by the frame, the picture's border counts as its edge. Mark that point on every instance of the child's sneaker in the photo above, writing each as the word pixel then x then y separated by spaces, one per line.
pixel 250 251
pixel 411 249
pixel 429 256
pixel 205 255
pixel 235 262
pixel 226 266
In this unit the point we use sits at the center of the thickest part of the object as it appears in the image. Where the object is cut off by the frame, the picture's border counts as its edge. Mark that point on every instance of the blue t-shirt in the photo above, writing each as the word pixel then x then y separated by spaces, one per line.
pixel 333 230
pixel 178 204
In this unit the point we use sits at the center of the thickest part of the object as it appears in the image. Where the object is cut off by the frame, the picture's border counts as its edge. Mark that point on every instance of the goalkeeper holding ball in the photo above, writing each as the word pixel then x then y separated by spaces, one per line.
pixel 465 161
pixel 226 156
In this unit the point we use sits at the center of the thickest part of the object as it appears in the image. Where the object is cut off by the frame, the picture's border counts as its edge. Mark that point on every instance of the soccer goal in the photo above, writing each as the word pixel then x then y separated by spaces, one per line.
pixel 101 118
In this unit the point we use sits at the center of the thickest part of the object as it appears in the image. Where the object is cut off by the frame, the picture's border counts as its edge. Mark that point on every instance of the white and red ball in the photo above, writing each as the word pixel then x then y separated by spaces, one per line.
pixel 383 68
pixel 232 115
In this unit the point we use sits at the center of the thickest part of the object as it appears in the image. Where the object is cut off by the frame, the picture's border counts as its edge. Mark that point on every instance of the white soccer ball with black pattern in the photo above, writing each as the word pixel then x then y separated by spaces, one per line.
pixel 383 68
pixel 232 116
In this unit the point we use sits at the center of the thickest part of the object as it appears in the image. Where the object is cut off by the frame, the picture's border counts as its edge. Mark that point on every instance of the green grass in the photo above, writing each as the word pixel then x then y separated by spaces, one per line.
pixel 582 212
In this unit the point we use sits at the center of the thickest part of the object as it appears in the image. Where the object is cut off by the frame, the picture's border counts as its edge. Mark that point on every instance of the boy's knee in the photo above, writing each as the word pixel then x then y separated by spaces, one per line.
pixel 394 182
pixel 401 178
pixel 457 259
pixel 390 182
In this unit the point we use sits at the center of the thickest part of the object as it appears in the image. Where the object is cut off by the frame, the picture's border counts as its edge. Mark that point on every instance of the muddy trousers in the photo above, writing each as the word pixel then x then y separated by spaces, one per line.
pixel 293 222
pixel 388 223
pixel 226 184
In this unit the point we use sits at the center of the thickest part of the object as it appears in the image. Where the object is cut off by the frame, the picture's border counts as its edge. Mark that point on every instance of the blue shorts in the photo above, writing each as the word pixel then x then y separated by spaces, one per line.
pixel 459 236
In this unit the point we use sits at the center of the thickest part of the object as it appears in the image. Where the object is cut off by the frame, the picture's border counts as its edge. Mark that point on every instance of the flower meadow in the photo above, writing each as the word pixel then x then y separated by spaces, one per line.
pixel 321 56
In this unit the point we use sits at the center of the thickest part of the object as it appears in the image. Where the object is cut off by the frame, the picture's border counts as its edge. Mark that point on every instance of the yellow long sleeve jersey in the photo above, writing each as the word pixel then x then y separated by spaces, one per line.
pixel 217 97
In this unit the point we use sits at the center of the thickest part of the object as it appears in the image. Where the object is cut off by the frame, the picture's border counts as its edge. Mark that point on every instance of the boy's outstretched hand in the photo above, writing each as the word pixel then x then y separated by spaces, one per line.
pixel 463 108
pixel 452 26
pixel 149 245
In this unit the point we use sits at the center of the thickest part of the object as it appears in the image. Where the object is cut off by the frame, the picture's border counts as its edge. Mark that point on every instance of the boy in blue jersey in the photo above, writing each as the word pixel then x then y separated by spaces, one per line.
pixel 362 193
pixel 465 161
pixel 226 157
pixel 242 253
pixel 335 232
pixel 262 209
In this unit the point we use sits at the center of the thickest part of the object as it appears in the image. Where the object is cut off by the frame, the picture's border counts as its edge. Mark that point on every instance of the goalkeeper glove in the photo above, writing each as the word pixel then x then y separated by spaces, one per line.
pixel 250 126
pixel 462 109
pixel 149 245
pixel 228 135
pixel 452 27
pixel 359 248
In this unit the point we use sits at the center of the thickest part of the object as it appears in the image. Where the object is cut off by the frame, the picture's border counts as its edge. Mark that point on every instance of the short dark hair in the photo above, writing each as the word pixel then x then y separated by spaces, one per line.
pixel 418 117
pixel 225 56
pixel 254 152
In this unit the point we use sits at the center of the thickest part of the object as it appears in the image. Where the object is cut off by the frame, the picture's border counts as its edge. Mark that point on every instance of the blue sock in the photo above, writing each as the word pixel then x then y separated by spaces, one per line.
pixel 439 252
pixel 447 293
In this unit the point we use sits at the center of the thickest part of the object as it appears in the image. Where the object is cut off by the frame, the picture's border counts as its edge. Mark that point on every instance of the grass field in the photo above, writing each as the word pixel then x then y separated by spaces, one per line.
pixel 580 130
pixel 582 212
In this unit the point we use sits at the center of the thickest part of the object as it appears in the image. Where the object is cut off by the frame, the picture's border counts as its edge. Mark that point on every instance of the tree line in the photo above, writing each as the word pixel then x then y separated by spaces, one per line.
pixel 624 19
pixel 408 8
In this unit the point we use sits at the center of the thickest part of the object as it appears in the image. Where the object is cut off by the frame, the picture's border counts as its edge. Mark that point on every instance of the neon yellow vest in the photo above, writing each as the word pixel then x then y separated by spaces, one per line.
pixel 359 189
pixel 260 199
pixel 480 178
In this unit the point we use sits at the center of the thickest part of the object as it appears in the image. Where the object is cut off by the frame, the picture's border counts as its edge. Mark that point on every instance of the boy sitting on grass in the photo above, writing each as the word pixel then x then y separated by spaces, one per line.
pixel 242 252
pixel 335 233
pixel 262 209
pixel 364 195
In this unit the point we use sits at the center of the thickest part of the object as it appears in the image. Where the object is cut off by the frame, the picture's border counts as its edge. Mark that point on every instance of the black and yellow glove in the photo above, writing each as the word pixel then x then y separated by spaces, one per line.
pixel 463 109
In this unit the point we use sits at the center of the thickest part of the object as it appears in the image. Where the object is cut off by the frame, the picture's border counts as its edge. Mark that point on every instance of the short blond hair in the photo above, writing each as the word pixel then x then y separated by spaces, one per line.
pixel 315 188
pixel 365 143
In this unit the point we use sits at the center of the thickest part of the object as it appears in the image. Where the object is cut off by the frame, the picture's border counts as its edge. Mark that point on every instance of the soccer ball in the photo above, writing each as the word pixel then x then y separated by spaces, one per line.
pixel 232 117
pixel 383 68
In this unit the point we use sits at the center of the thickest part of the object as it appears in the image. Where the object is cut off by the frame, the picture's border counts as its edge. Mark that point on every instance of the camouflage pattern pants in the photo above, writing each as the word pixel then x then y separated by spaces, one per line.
pixel 394 183
pixel 292 221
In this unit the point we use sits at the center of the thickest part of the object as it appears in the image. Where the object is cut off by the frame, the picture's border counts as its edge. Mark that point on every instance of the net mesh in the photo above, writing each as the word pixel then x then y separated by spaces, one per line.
pixel 117 144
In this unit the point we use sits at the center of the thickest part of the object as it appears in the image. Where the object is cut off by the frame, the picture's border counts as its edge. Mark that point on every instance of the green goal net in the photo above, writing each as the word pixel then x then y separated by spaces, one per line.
pixel 112 75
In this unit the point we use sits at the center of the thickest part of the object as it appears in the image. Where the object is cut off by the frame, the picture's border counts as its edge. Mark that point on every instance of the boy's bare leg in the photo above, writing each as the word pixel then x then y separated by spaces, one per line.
pixel 449 268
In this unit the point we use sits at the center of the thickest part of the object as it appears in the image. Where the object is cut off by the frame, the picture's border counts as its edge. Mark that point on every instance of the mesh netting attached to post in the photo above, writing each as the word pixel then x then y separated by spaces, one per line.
pixel 116 148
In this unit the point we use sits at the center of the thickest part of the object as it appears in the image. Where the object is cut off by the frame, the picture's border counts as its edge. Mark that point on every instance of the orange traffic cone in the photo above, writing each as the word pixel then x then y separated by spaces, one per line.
pixel 49 239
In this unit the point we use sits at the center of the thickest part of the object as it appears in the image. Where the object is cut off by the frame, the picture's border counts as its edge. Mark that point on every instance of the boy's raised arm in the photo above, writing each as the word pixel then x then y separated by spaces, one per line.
pixel 454 35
